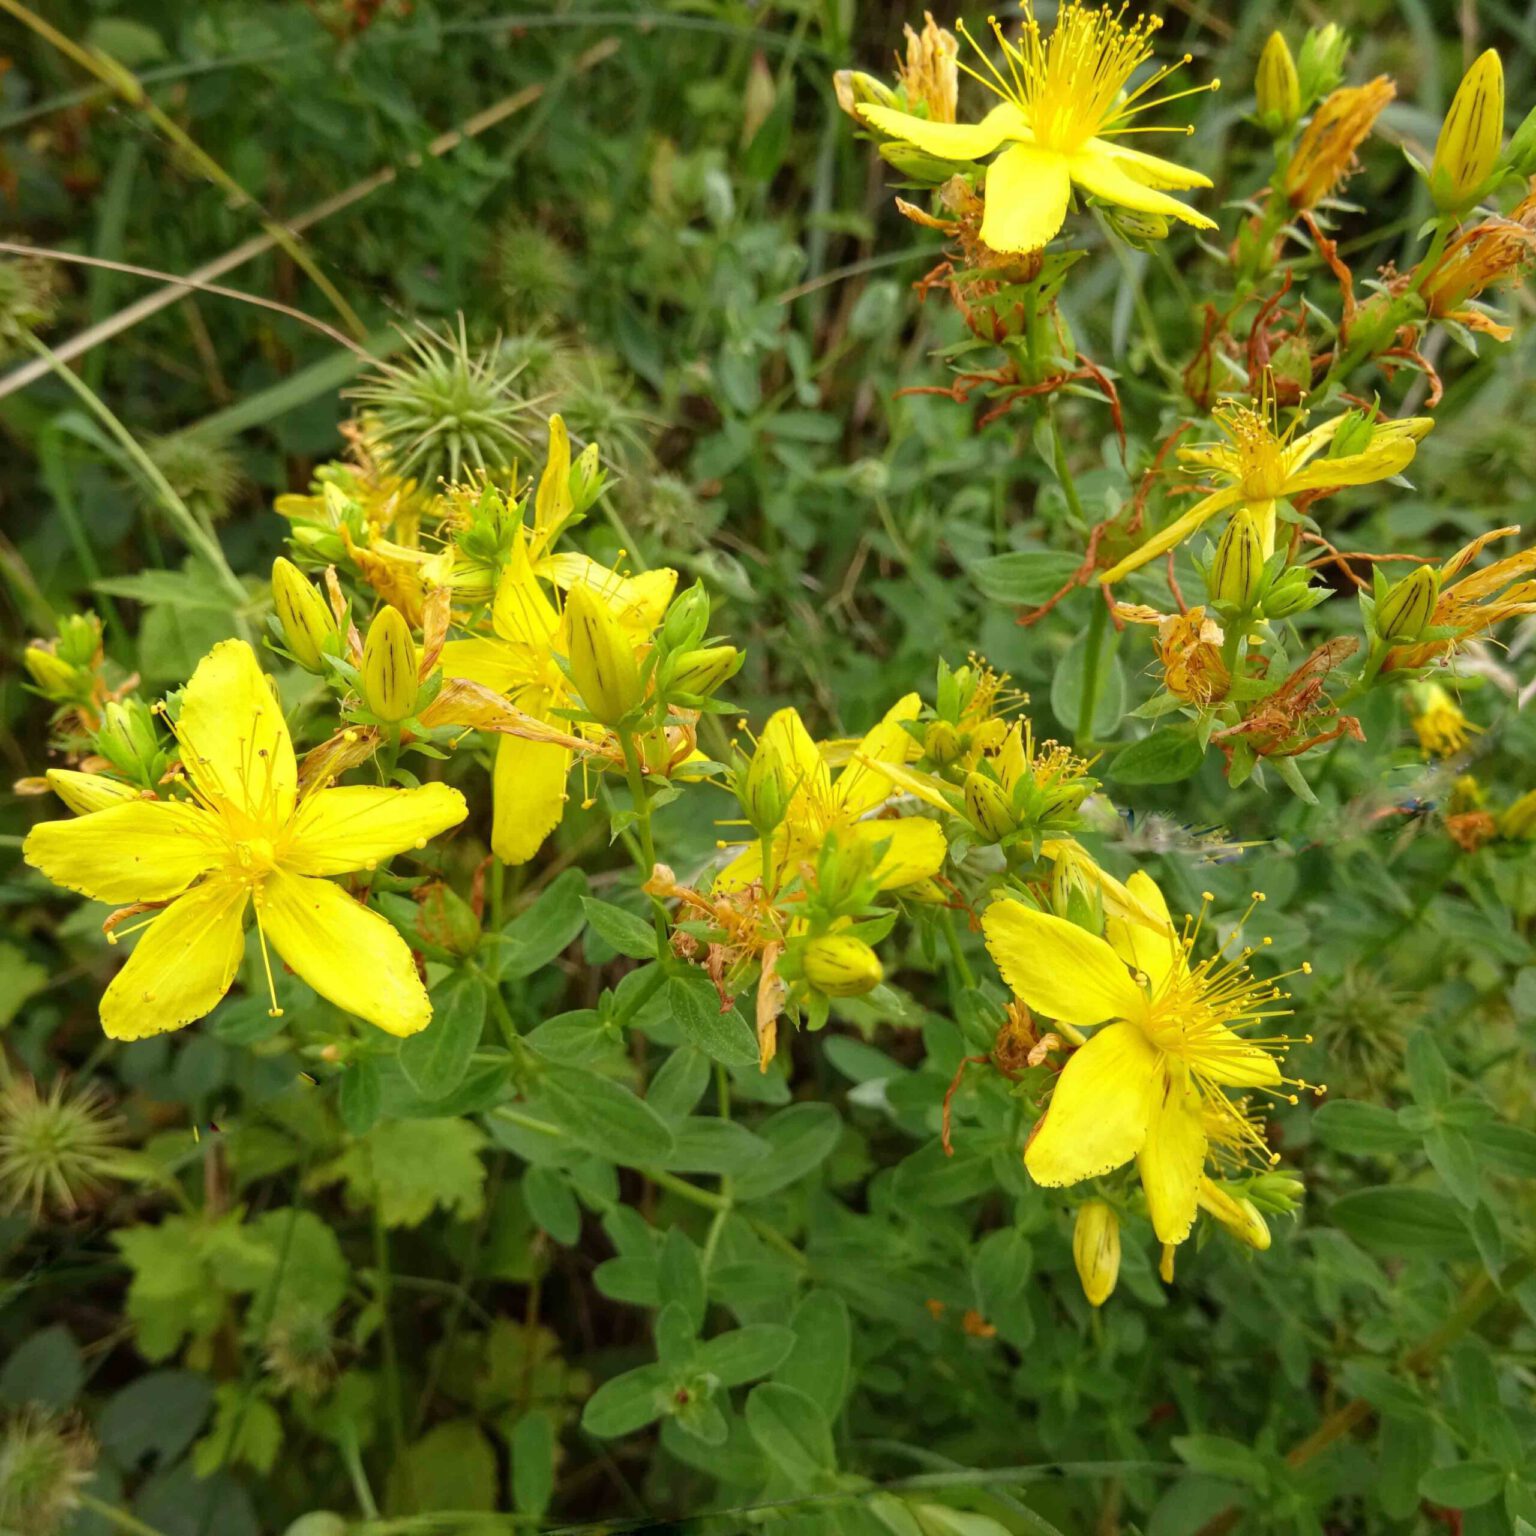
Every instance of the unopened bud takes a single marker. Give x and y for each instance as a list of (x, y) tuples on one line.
[(914, 163), (1277, 88), (1518, 821), (1278, 1193), (587, 478), (602, 659), (988, 806), (305, 616), (390, 683), (1353, 434), (1471, 136), (56, 679), (1096, 1250), (687, 619), (1238, 1214), (941, 743), (87, 792), (1293, 593), (1404, 613), (841, 965), (701, 672), (1320, 65), (1139, 229), (130, 741), (79, 640), (447, 920), (1237, 568), (1521, 153), (854, 89), (766, 789)]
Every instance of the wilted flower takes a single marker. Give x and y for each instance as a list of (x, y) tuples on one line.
[(1498, 251), (1325, 155), (1189, 646), (929, 76)]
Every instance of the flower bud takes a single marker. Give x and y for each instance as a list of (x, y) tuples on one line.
[(854, 89), (1238, 1214), (1237, 568), (1470, 137), (1096, 1250), (305, 616), (1278, 1193), (941, 743), (390, 683), (1291, 593), (988, 806), (1404, 613), (1517, 823), (1277, 88), (602, 659), (1320, 66), (766, 789), (79, 640), (1140, 230), (130, 741), (447, 920), (87, 792), (1352, 435), (587, 479), (56, 679), (914, 163), (1521, 153), (841, 966), (701, 672), (687, 620)]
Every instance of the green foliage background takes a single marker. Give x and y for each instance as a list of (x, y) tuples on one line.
[(698, 262)]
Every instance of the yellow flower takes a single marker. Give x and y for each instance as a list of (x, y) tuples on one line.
[(820, 806), (246, 837), (1262, 465), (1062, 104), (1326, 153), (518, 661), (1442, 729), (1148, 1080), (1471, 604), (1518, 821)]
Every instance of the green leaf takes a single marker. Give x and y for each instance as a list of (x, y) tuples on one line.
[(820, 1362), (246, 1428), (1164, 757), (358, 1098), (533, 938), (409, 1168), (626, 1403), (793, 1433), (1510, 1148), (680, 1276), (621, 931), (533, 1464), (158, 1415), (1348, 1125), (43, 1369), (452, 1466), (1404, 1221), (747, 1353), (703, 1144), (552, 1205), (1218, 1456), (436, 1059), (1069, 678), (602, 1116), (724, 1036), (1428, 1075), (800, 1138), (1466, 1485), (1455, 1159), (1024, 578)]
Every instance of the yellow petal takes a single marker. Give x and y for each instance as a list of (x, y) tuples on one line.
[(529, 789), (346, 952), (1057, 968), (1173, 1154), (637, 602), (1174, 534), (496, 664), (234, 740), (1154, 948), (861, 786), (84, 793), (338, 830), (786, 737), (949, 141), (1105, 177), (1151, 169), (181, 967), (914, 851), (521, 612), (1097, 1118), (1386, 456), (552, 504), (1027, 193), (141, 850)]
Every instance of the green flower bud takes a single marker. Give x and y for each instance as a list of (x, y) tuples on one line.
[(941, 742), (1470, 137), (130, 740), (1292, 593), (988, 807), (1518, 822), (587, 479), (306, 617), (1277, 88), (80, 639), (390, 683), (447, 920), (701, 672), (1096, 1248), (854, 89), (1353, 434), (56, 679), (914, 163), (1140, 230), (1320, 65), (687, 620), (1404, 613), (841, 966), (602, 659), (1521, 153), (1237, 568), (1277, 1193), (766, 789)]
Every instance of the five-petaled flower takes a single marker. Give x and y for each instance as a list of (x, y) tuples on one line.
[(1062, 106), (246, 837)]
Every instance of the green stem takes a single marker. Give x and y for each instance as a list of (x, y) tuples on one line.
[(118, 1518), (687, 1191), (394, 1407)]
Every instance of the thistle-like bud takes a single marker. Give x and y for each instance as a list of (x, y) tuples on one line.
[(1404, 613), (55, 678), (687, 619), (701, 672), (1237, 568), (602, 659), (1470, 137), (841, 966), (1096, 1250), (988, 806), (389, 679), (1277, 88), (1518, 822), (1320, 66), (45, 1461), (86, 792), (308, 624), (941, 742)]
